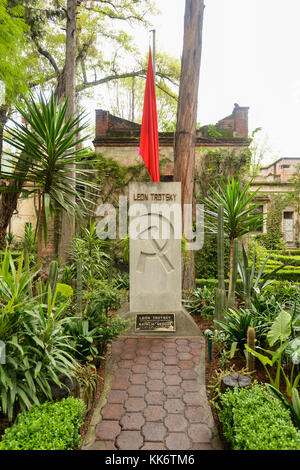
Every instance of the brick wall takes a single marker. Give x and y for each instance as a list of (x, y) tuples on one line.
[(237, 122)]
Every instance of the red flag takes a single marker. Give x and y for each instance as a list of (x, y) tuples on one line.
[(149, 132)]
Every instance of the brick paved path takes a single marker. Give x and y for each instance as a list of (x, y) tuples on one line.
[(155, 398)]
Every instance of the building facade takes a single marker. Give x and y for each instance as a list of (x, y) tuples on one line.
[(275, 180)]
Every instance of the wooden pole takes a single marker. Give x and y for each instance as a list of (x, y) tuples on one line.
[(185, 136)]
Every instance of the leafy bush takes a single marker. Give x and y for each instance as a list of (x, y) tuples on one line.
[(270, 242), (89, 249), (206, 258), (121, 281), (50, 426), (110, 329), (287, 275), (201, 301), (82, 339), (256, 419), (36, 349), (101, 297), (236, 323)]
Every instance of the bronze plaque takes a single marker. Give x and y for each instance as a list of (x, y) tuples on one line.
[(155, 322)]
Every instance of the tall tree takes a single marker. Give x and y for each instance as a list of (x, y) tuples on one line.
[(68, 220), (184, 148)]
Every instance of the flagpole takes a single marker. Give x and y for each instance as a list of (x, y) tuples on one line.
[(153, 31)]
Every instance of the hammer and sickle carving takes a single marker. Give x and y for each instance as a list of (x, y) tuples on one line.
[(157, 250)]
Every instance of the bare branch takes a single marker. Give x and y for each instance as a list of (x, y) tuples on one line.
[(139, 73), (86, 85), (47, 55)]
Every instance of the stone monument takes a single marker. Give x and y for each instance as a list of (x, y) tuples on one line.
[(155, 233)]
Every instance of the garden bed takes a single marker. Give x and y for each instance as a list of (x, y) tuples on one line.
[(238, 362)]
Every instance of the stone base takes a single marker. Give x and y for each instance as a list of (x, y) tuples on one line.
[(185, 325)]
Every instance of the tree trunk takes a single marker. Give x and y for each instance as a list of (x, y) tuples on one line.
[(68, 222), (45, 251), (8, 204), (3, 120), (184, 149)]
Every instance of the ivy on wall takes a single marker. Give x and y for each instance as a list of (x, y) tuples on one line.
[(217, 164), (273, 239), (214, 165)]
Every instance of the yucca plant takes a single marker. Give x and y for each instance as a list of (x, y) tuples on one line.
[(239, 216), (47, 147)]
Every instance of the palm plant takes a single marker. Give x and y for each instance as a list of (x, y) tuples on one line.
[(47, 145), (239, 216)]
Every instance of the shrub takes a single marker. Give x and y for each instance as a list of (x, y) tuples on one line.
[(287, 275), (255, 419), (201, 301), (211, 283), (100, 299), (36, 350), (121, 281), (236, 323), (206, 258), (50, 426)]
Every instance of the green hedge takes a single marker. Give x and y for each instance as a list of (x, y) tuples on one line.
[(286, 275), (255, 419), (50, 426), (210, 283), (295, 252)]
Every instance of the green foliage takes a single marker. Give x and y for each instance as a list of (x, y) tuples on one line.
[(296, 405), (101, 297), (236, 323), (217, 165), (36, 349), (114, 177), (15, 282), (87, 379), (64, 290), (12, 60), (279, 335), (82, 339), (47, 145), (50, 426), (238, 204), (286, 275), (29, 241), (212, 282), (220, 292), (252, 286), (201, 301), (256, 419), (239, 216), (273, 239), (121, 281), (206, 258), (89, 249)]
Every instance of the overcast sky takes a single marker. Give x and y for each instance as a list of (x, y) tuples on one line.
[(250, 56)]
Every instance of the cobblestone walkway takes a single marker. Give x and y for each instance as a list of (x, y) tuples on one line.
[(154, 398)]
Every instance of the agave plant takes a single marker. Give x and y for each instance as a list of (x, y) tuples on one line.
[(47, 146), (239, 216), (253, 286)]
